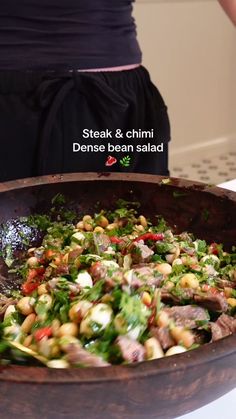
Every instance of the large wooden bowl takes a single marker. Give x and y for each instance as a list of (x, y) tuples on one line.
[(163, 388)]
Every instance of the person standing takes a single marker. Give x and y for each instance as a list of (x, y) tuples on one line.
[(68, 66)]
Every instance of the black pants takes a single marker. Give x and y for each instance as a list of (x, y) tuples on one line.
[(43, 117)]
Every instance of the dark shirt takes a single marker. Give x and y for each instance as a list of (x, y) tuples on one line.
[(68, 34)]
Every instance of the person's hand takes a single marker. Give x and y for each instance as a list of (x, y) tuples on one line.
[(229, 7)]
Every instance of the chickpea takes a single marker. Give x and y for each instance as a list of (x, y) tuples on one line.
[(177, 261), (32, 261), (112, 226), (231, 302), (182, 336), (187, 338), (98, 229), (87, 218), (25, 305), (79, 310), (57, 260), (56, 324), (80, 225), (189, 260), (68, 329), (175, 250), (139, 228), (153, 349), (169, 285), (28, 323), (175, 350), (54, 348), (174, 254), (146, 298), (143, 221), (120, 324), (88, 226), (102, 221), (28, 340), (163, 319), (164, 268), (189, 281), (170, 258), (44, 347), (42, 289), (228, 291), (67, 340)]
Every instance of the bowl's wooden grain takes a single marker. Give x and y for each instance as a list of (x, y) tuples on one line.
[(163, 388)]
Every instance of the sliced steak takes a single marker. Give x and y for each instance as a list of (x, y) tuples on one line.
[(144, 275), (187, 316), (167, 296), (98, 271), (76, 355), (111, 275), (213, 302), (223, 283), (141, 252), (224, 326), (131, 350), (62, 270), (163, 335), (73, 254), (102, 242)]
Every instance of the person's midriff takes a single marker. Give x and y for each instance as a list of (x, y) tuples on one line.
[(91, 35)]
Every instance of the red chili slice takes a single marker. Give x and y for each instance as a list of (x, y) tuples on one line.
[(149, 236)]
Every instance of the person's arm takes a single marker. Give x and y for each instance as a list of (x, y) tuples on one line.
[(229, 7)]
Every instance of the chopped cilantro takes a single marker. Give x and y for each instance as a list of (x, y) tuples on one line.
[(133, 310), (58, 199), (94, 293)]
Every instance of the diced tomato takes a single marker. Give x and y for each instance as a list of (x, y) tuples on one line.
[(43, 332), (50, 254), (35, 272), (33, 279), (29, 287), (72, 295), (116, 240), (214, 248)]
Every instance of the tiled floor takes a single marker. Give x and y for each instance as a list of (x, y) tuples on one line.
[(215, 170)]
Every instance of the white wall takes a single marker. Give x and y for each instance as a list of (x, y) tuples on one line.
[(189, 48)]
